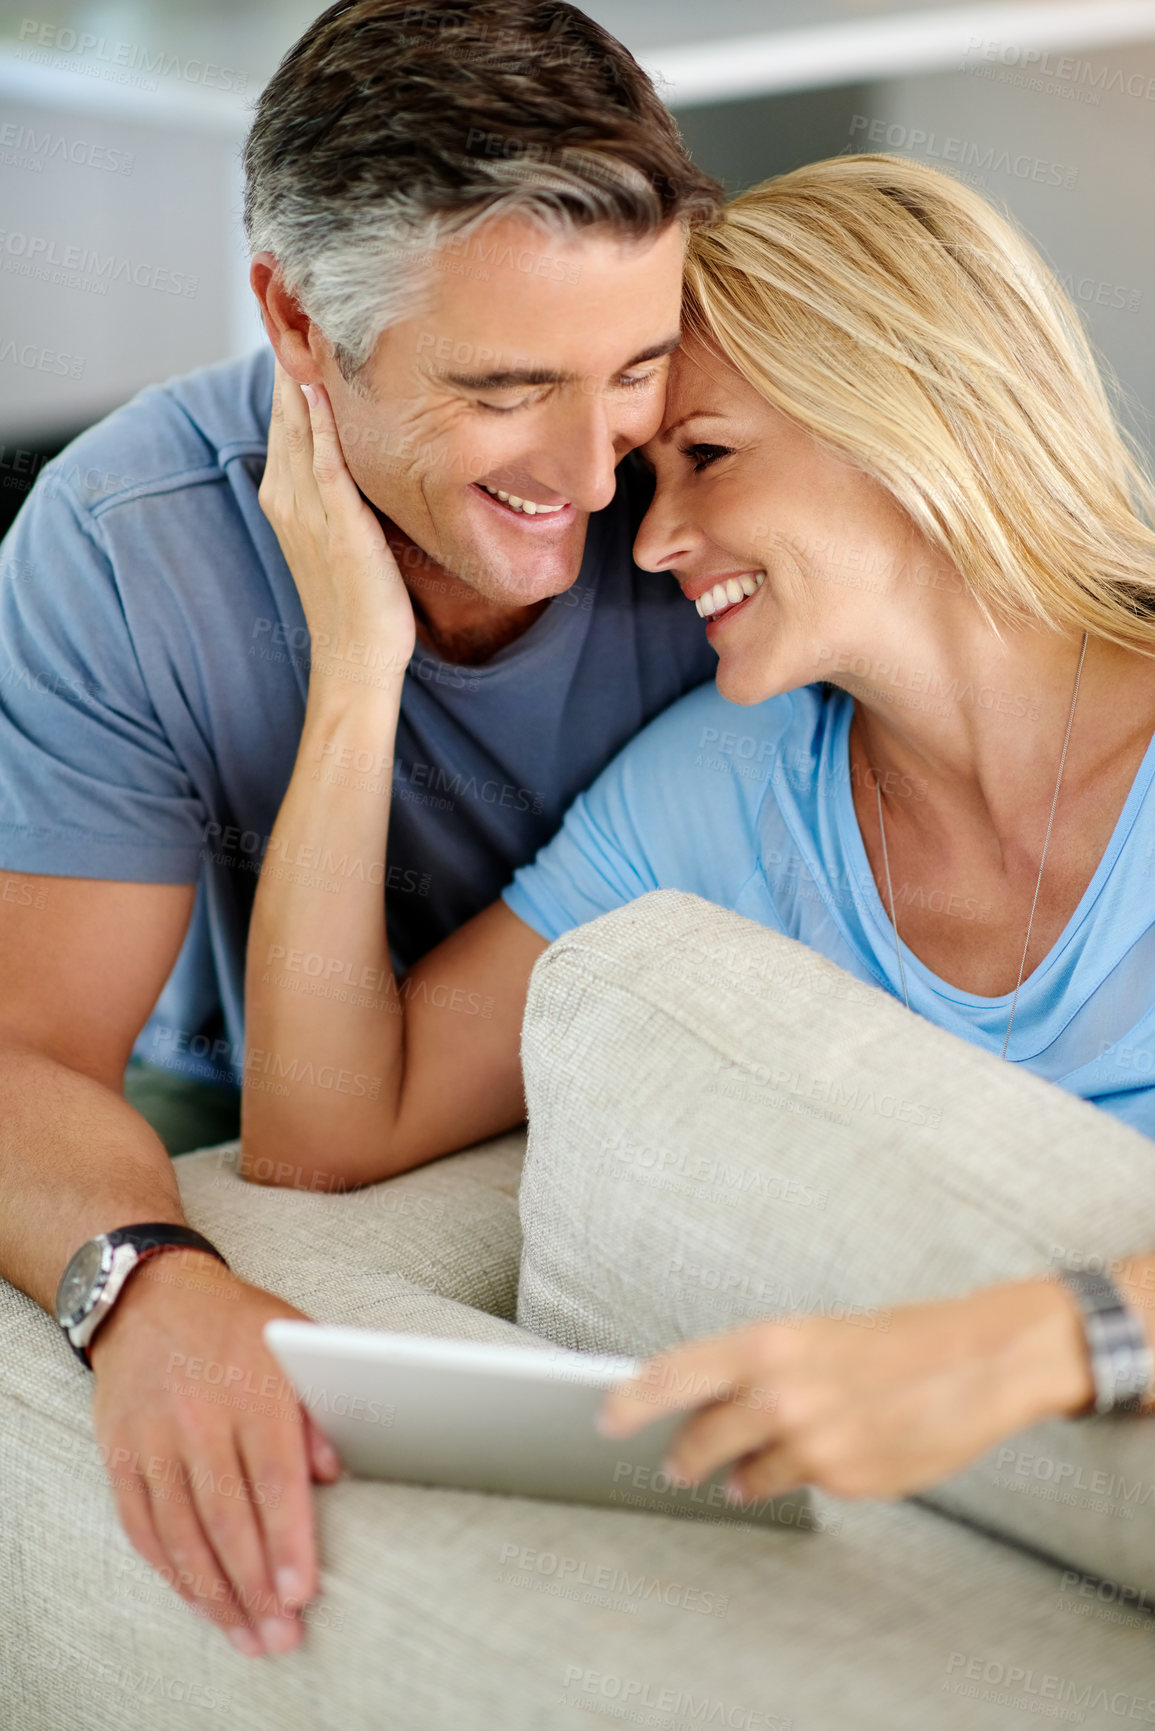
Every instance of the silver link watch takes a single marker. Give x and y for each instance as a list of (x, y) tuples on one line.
[(1122, 1363)]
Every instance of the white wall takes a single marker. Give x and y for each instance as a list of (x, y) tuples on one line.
[(168, 223), (1099, 232), (177, 211)]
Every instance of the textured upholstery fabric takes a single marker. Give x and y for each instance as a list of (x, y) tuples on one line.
[(450, 1227), (445, 1611), (725, 1126)]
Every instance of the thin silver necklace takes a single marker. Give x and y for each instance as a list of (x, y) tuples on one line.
[(1038, 880)]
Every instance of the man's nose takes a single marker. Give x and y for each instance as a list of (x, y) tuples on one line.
[(583, 456)]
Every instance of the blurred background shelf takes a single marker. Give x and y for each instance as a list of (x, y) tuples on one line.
[(121, 125)]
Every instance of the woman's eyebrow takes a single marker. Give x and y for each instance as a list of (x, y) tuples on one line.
[(667, 433), (509, 378)]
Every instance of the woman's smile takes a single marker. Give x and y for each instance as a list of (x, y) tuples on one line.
[(717, 597)]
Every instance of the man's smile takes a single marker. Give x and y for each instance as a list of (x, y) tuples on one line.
[(530, 512), (531, 507)]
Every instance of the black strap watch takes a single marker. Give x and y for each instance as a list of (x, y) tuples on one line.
[(98, 1273)]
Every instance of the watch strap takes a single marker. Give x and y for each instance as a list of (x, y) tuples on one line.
[(148, 1239), (1122, 1362)]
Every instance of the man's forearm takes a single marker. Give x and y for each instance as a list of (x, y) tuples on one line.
[(75, 1160)]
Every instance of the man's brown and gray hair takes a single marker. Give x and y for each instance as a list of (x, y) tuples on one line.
[(391, 127)]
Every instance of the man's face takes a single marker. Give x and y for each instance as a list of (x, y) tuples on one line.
[(537, 363)]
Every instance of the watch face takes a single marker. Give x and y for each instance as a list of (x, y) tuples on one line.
[(81, 1283)]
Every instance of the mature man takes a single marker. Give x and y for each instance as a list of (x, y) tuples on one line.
[(468, 223)]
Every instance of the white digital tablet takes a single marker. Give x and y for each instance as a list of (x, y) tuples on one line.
[(509, 1419)]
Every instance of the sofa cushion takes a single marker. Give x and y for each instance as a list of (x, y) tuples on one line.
[(724, 1125), (448, 1609), (450, 1227)]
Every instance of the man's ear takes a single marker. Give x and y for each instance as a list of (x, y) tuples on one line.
[(292, 333)]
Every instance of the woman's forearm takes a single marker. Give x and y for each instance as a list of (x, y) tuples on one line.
[(1058, 1354), (885, 1413), (348, 1080), (323, 1021)]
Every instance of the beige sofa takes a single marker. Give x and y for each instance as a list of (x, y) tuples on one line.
[(449, 1611)]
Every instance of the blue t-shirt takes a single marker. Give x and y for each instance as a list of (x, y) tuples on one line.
[(154, 665), (753, 808)]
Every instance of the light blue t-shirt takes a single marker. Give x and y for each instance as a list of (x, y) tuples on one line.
[(753, 808)]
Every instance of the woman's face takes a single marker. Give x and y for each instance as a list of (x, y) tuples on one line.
[(744, 493)]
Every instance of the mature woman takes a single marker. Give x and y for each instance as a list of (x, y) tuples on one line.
[(890, 480)]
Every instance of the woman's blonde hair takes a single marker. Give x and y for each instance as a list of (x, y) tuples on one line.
[(894, 314)]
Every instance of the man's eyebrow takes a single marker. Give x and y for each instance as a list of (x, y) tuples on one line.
[(512, 377)]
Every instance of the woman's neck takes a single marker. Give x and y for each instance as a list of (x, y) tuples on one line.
[(981, 753), (980, 720)]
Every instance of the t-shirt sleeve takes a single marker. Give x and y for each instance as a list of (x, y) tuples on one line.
[(655, 818), (588, 868), (90, 785)]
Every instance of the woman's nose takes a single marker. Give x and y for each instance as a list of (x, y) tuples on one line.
[(664, 539)]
